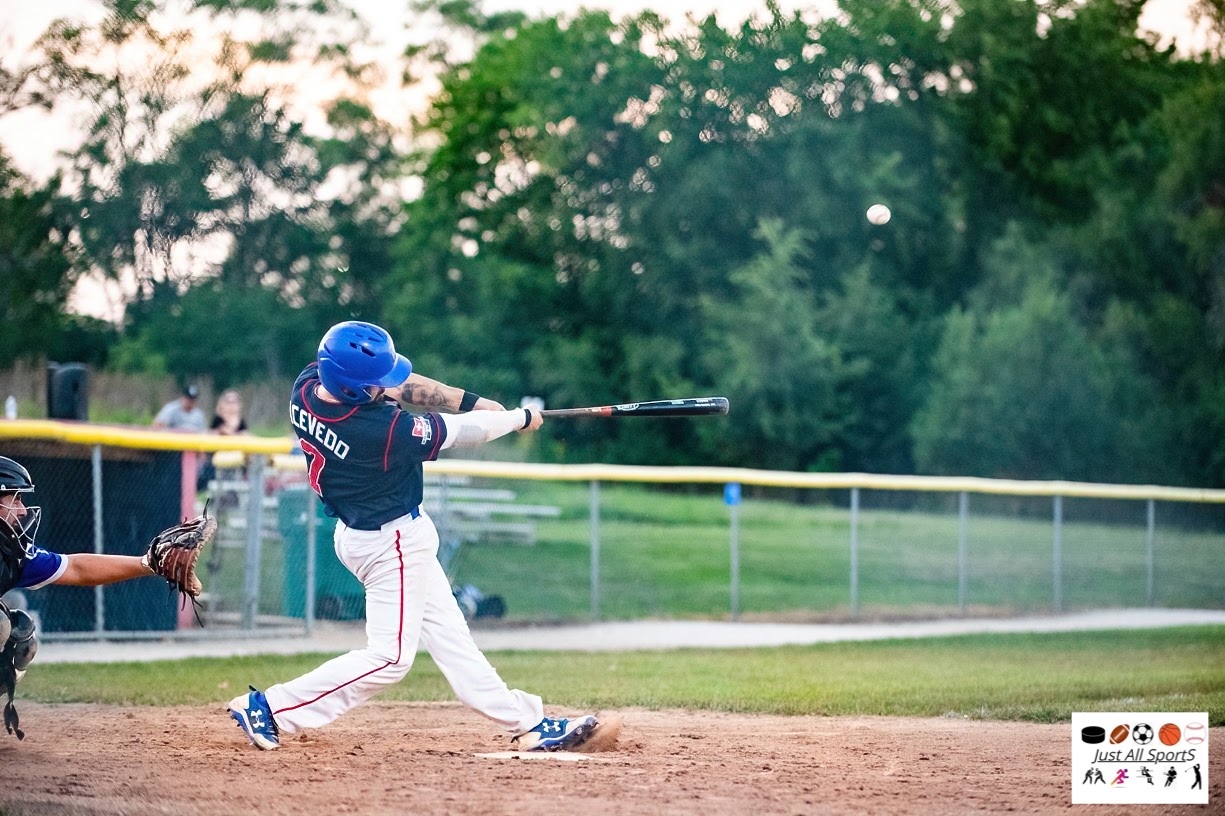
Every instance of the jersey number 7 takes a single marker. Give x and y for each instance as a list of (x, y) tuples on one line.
[(314, 465)]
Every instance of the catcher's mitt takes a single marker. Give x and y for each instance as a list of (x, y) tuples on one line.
[(173, 552)]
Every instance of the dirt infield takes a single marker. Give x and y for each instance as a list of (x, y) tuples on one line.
[(404, 758)]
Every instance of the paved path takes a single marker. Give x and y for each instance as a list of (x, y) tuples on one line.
[(622, 636)]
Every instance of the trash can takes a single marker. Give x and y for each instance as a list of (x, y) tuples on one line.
[(67, 391), (338, 593)]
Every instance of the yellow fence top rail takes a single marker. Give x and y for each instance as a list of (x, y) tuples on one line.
[(122, 436), (86, 434), (781, 478)]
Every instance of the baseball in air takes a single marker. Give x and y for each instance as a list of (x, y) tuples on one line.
[(879, 214)]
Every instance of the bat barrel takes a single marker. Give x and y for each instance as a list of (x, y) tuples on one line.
[(694, 406)]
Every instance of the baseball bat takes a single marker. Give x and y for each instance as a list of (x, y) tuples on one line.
[(693, 406)]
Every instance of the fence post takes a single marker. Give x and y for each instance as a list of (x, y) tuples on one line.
[(311, 524), (255, 521), (595, 550), (731, 497), (1057, 555), (99, 597), (963, 511), (1152, 529), (855, 551)]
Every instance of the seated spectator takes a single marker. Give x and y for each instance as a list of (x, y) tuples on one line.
[(227, 416), (227, 421), (182, 414)]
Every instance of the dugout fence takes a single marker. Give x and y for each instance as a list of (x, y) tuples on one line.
[(535, 542)]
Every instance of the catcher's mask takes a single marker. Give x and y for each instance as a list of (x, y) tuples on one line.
[(15, 479), (22, 533)]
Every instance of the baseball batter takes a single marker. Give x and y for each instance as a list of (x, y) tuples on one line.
[(364, 457)]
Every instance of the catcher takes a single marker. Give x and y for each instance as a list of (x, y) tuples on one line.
[(23, 564)]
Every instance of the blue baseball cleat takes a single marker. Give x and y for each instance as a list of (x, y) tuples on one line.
[(556, 735), (254, 717)]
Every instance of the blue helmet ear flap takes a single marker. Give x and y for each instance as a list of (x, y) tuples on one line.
[(355, 356)]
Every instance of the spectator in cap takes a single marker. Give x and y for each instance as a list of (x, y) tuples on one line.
[(182, 414)]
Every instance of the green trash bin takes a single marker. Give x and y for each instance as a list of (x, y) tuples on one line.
[(338, 593)]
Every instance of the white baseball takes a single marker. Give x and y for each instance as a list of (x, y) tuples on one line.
[(879, 214)]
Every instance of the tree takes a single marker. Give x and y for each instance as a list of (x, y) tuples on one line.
[(1188, 325), (36, 271), (584, 198), (885, 345), (511, 260), (612, 211), (243, 334), (191, 173), (766, 348), (1021, 389)]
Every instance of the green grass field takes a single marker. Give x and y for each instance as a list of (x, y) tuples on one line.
[(1040, 678)]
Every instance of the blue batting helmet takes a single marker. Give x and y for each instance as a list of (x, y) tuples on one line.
[(354, 356)]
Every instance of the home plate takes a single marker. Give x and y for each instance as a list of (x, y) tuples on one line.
[(561, 756)]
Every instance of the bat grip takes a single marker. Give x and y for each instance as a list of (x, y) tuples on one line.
[(577, 412)]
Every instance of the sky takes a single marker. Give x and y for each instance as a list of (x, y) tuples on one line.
[(35, 139)]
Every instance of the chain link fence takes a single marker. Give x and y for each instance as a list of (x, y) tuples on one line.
[(535, 543)]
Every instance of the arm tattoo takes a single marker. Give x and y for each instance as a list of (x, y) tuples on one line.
[(427, 396)]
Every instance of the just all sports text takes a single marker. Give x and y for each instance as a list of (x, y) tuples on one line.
[(1138, 755)]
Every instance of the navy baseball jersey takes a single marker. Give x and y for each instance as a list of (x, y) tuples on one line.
[(364, 461)]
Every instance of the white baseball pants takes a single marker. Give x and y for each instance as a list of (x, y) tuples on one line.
[(408, 601)]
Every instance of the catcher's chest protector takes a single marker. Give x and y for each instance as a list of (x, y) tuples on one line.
[(12, 560)]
